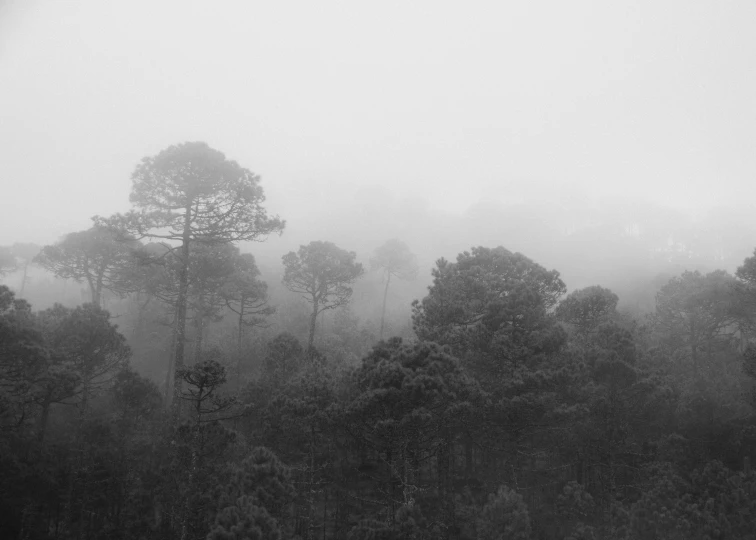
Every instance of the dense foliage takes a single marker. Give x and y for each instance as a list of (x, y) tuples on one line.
[(512, 410)]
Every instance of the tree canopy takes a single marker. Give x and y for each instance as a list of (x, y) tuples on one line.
[(322, 273), (587, 308), (189, 194), (93, 256), (509, 409)]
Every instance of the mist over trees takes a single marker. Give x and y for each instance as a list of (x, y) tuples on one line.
[(322, 273), (393, 259), (93, 256), (165, 374), (193, 195)]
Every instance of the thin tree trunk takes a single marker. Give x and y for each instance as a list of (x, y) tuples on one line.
[(139, 326), (93, 290), (383, 311), (77, 467), (73, 468), (325, 511), (311, 489), (444, 484), (198, 327), (170, 373), (97, 292), (23, 280), (181, 312), (194, 466), (313, 320), (239, 347)]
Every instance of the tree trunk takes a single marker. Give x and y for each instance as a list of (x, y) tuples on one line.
[(138, 330), (85, 487), (198, 328), (383, 311), (195, 464), (239, 346), (311, 489), (313, 320), (445, 490), (170, 375), (93, 290), (181, 313), (193, 468), (23, 280), (97, 293), (325, 512)]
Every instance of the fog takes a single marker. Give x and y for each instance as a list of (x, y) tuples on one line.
[(594, 377), (566, 131)]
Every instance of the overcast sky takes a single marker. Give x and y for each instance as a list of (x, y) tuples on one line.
[(453, 102)]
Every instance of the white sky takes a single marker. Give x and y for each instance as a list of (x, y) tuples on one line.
[(455, 102)]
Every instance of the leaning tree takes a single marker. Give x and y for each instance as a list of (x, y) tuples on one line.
[(189, 194), (322, 273)]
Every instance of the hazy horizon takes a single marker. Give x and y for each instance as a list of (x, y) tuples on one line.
[(609, 142), (446, 106)]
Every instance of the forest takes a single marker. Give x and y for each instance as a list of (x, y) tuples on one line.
[(172, 385)]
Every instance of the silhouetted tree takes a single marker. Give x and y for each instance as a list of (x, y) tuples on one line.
[(696, 312), (134, 397), (322, 273), (413, 402), (211, 268), (86, 352), (587, 308), (492, 307), (23, 360), (283, 360), (464, 293), (247, 296), (188, 194), (203, 435), (93, 256)]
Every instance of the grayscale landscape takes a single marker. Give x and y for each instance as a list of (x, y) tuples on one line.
[(377, 271)]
